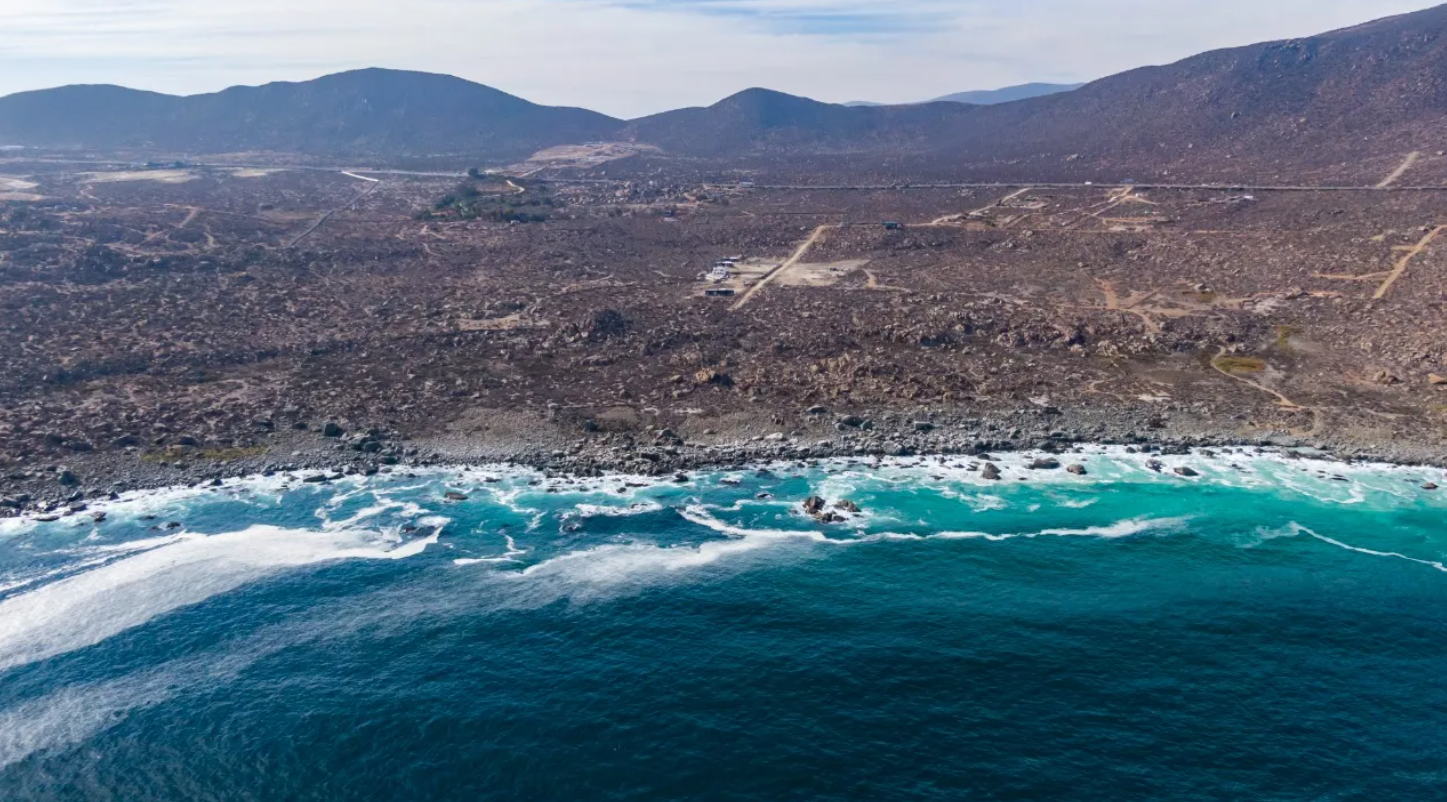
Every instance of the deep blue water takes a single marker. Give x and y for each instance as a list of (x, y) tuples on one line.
[(1265, 631)]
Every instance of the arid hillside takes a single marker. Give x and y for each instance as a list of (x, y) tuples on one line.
[(1332, 108)]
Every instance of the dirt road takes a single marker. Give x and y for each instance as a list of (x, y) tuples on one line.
[(1408, 255), (790, 262), (1400, 171)]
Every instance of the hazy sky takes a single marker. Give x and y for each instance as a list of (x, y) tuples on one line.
[(634, 57)]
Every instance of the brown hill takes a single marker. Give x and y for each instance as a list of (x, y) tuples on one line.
[(1320, 105), (1357, 93), (1338, 106), (764, 120), (386, 112)]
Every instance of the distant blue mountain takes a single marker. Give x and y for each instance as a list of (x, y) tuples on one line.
[(991, 97)]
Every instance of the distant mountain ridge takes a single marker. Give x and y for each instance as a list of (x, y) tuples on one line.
[(1009, 94), (765, 120), (363, 111), (1377, 90), (990, 97)]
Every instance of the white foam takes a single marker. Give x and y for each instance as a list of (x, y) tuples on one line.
[(1323, 538), (699, 514), (609, 570), (1127, 528), (509, 556), (87, 608), (603, 511), (605, 571), (73, 714)]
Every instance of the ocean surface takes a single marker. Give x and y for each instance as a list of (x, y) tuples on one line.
[(1273, 629)]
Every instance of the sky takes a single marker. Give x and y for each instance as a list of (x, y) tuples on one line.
[(629, 58)]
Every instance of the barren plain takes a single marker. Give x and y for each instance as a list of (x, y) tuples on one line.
[(160, 325)]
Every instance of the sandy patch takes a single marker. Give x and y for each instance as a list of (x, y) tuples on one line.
[(818, 274), (255, 172), (589, 155), (11, 184), (514, 321), (163, 176)]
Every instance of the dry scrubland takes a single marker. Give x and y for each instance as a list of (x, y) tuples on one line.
[(191, 315)]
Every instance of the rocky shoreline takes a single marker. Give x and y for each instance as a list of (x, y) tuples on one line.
[(329, 451)]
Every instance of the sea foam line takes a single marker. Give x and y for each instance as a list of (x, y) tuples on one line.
[(1323, 538), (87, 608)]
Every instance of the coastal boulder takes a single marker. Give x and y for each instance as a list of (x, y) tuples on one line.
[(991, 471), (1045, 464), (814, 505), (1078, 470), (1187, 472)]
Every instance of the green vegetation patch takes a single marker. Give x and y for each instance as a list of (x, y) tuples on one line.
[(1239, 364), (235, 454), (481, 198)]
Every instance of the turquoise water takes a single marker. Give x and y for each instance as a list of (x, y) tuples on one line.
[(1272, 629)]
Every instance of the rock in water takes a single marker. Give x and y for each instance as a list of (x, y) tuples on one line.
[(991, 471), (847, 506), (1045, 464), (1078, 470), (814, 505), (1186, 472)]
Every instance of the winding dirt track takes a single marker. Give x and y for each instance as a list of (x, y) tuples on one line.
[(1407, 256)]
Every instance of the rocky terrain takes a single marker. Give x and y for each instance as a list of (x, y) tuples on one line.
[(766, 278), (177, 324)]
